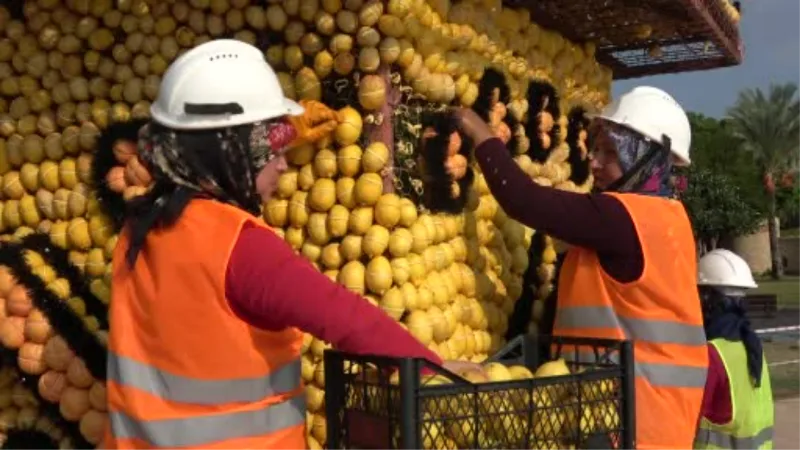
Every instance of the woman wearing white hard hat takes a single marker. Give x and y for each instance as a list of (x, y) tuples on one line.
[(631, 270), (738, 411), (208, 304)]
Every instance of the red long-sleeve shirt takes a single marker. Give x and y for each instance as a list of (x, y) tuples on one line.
[(270, 287)]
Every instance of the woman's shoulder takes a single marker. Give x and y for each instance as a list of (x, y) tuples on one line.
[(652, 206)]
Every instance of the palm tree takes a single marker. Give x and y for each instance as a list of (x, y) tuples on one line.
[(768, 126)]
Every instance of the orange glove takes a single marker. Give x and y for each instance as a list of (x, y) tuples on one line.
[(315, 123)]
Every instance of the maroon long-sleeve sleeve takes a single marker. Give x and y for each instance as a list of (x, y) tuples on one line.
[(717, 406), (271, 288), (594, 221)]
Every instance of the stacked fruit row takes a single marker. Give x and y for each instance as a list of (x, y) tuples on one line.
[(70, 68), (452, 280), (33, 289)]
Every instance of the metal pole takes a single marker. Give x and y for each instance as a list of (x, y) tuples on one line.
[(628, 401)]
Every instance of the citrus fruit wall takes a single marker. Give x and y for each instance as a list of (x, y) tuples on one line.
[(70, 68)]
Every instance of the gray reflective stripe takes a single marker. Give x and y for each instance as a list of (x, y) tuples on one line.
[(671, 374), (181, 389), (656, 331), (586, 317), (719, 439), (656, 374), (641, 330), (202, 430)]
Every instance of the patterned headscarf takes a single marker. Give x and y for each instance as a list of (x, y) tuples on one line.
[(646, 165), (168, 159), (222, 164)]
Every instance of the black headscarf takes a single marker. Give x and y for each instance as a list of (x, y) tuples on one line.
[(221, 164), (724, 317)]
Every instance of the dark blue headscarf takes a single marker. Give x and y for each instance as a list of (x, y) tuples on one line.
[(724, 317)]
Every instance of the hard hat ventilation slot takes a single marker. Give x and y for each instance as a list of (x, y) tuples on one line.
[(223, 56), (212, 109)]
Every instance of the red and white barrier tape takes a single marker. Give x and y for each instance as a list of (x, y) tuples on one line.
[(784, 363), (778, 329)]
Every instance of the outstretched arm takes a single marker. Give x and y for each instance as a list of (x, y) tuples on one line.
[(271, 288), (595, 221)]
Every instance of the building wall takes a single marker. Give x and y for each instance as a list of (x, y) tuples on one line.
[(790, 250), (754, 248)]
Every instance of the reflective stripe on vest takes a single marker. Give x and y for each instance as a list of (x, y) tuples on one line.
[(723, 440), (654, 331), (180, 389), (656, 374), (201, 430)]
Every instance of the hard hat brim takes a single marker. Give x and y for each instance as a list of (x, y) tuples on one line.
[(294, 108), (287, 108)]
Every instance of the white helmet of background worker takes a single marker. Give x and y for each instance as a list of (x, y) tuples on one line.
[(653, 113), (724, 270), (191, 96)]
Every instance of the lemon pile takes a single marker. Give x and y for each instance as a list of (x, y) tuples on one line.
[(546, 271), (440, 51), (730, 11), (71, 67), (451, 280), (559, 415)]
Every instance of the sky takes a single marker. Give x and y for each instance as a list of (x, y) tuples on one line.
[(771, 33)]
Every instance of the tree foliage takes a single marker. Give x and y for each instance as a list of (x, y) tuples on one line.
[(737, 160), (724, 194), (716, 149), (716, 207), (767, 128)]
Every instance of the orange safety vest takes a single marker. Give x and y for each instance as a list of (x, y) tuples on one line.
[(183, 369), (660, 312)]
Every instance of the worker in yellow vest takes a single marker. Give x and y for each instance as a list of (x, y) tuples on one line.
[(737, 405)]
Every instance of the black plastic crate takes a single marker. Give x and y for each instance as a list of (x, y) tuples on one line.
[(375, 402)]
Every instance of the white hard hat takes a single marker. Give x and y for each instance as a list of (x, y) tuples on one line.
[(723, 268), (220, 84), (653, 113)]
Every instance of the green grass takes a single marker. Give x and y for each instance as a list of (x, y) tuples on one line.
[(785, 378), (787, 289), (790, 232)]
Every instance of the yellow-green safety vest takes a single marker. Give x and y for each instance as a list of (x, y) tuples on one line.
[(753, 412)]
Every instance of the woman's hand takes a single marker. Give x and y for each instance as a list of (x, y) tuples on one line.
[(461, 367), (473, 126)]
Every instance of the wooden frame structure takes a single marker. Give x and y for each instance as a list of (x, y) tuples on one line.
[(638, 38)]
